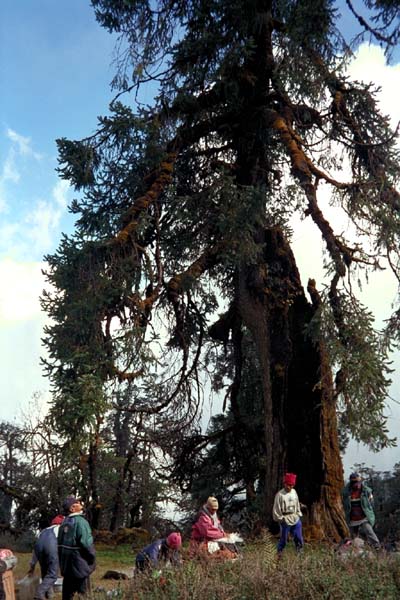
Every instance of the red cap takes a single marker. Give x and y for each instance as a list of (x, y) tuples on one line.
[(57, 520), (289, 479), (174, 540)]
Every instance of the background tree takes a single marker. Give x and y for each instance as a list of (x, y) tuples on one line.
[(12, 445), (182, 241)]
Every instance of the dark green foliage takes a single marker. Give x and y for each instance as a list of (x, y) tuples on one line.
[(180, 275)]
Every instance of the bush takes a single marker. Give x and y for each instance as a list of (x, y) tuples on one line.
[(22, 543)]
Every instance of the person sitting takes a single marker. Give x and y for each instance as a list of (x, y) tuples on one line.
[(208, 538), (165, 550)]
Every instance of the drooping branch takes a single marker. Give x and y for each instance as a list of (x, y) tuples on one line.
[(365, 151), (304, 170), (179, 284), (189, 449), (16, 493), (374, 31), (182, 281), (162, 180)]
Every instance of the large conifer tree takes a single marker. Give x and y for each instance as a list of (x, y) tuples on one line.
[(181, 267)]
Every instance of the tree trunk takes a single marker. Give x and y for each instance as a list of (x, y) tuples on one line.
[(253, 309), (299, 408), (95, 506), (121, 422)]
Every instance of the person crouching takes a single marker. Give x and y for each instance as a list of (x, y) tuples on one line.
[(165, 550)]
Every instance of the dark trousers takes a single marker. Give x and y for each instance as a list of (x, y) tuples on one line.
[(141, 564), (72, 586)]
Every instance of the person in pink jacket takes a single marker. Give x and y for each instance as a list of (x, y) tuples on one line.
[(208, 529)]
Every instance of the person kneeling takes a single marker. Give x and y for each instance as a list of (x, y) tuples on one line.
[(165, 550)]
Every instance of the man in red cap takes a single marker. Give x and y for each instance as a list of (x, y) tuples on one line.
[(45, 553), (286, 511)]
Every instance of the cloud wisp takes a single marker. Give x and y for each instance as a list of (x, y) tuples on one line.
[(22, 144), (31, 218)]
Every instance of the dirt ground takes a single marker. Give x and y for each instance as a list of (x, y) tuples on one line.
[(104, 564)]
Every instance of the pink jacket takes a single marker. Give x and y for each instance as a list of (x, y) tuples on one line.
[(205, 529)]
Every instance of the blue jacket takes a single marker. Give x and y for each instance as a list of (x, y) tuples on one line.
[(157, 551), (45, 551)]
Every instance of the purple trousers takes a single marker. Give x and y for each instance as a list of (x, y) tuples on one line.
[(295, 531)]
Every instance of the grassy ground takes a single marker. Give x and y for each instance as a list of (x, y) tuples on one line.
[(317, 574)]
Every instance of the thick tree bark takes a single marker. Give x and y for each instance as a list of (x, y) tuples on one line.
[(299, 408), (253, 309)]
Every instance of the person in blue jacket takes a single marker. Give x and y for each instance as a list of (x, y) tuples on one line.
[(45, 553), (165, 549)]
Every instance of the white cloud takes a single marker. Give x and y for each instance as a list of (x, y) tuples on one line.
[(38, 229), (44, 219), (9, 170), (60, 193), (9, 173), (10, 237), (23, 144), (369, 65), (22, 284), (21, 330), (22, 374), (19, 151)]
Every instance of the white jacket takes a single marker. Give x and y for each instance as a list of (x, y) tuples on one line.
[(286, 507)]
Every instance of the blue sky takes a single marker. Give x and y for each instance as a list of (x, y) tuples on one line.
[(55, 71), (54, 74)]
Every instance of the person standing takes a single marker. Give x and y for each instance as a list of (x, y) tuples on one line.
[(286, 511), (45, 553), (358, 507), (76, 551)]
